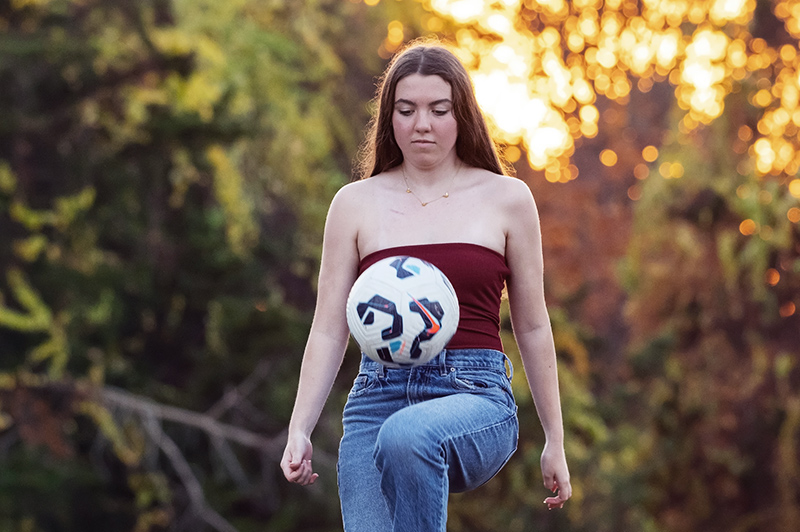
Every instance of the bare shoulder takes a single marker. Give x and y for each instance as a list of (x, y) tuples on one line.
[(509, 193), (513, 209), (353, 191), (360, 192), (351, 198)]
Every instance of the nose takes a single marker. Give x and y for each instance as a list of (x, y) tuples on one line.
[(423, 122)]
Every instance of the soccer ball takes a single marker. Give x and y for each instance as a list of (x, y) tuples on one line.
[(402, 311)]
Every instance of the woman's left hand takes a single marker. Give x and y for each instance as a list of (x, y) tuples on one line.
[(556, 476)]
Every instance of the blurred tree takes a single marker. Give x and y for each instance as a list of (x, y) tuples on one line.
[(165, 169), (714, 335), (690, 109)]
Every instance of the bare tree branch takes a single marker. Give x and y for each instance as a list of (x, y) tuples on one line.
[(230, 462), (184, 471), (245, 388), (215, 429), (221, 435), (152, 414)]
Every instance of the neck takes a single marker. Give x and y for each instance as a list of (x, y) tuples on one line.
[(438, 182), (424, 178)]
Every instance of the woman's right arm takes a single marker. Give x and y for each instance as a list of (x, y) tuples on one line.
[(328, 337)]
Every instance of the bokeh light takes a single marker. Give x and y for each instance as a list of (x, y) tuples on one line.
[(650, 153), (608, 157), (539, 67), (748, 227)]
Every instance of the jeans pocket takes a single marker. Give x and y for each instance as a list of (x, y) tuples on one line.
[(493, 384), (362, 383), (469, 380)]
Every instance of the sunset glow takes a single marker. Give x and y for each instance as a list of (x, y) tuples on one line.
[(546, 61)]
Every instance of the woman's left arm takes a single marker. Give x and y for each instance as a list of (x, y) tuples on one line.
[(534, 335)]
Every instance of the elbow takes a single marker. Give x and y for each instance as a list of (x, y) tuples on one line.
[(530, 322)]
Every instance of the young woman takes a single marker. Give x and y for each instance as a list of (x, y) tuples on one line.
[(432, 187)]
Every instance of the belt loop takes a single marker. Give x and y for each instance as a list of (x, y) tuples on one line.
[(367, 362), (509, 367), (443, 363)]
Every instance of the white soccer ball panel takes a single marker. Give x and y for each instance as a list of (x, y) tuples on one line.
[(402, 311)]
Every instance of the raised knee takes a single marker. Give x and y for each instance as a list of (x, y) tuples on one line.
[(403, 442)]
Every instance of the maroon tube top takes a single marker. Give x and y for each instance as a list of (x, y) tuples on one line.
[(478, 275)]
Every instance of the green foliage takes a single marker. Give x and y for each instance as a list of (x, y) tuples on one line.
[(165, 169), (31, 476), (707, 301)]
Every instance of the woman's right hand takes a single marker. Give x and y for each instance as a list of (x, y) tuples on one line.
[(328, 337), (296, 461)]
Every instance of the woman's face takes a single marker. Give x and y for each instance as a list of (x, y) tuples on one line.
[(424, 125)]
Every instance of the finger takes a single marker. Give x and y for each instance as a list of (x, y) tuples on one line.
[(290, 468), (294, 475), (294, 471), (287, 469), (308, 472), (307, 475), (565, 489), (566, 492), (298, 472), (553, 502)]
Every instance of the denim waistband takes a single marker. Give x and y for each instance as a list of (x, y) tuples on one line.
[(489, 359)]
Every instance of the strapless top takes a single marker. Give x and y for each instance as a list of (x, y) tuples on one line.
[(478, 275)]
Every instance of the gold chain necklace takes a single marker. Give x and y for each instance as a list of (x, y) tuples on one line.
[(424, 203)]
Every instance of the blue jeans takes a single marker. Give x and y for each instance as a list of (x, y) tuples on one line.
[(413, 435)]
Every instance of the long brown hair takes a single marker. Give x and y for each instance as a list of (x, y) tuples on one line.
[(474, 145)]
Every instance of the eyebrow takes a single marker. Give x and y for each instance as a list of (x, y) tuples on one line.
[(437, 102)]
